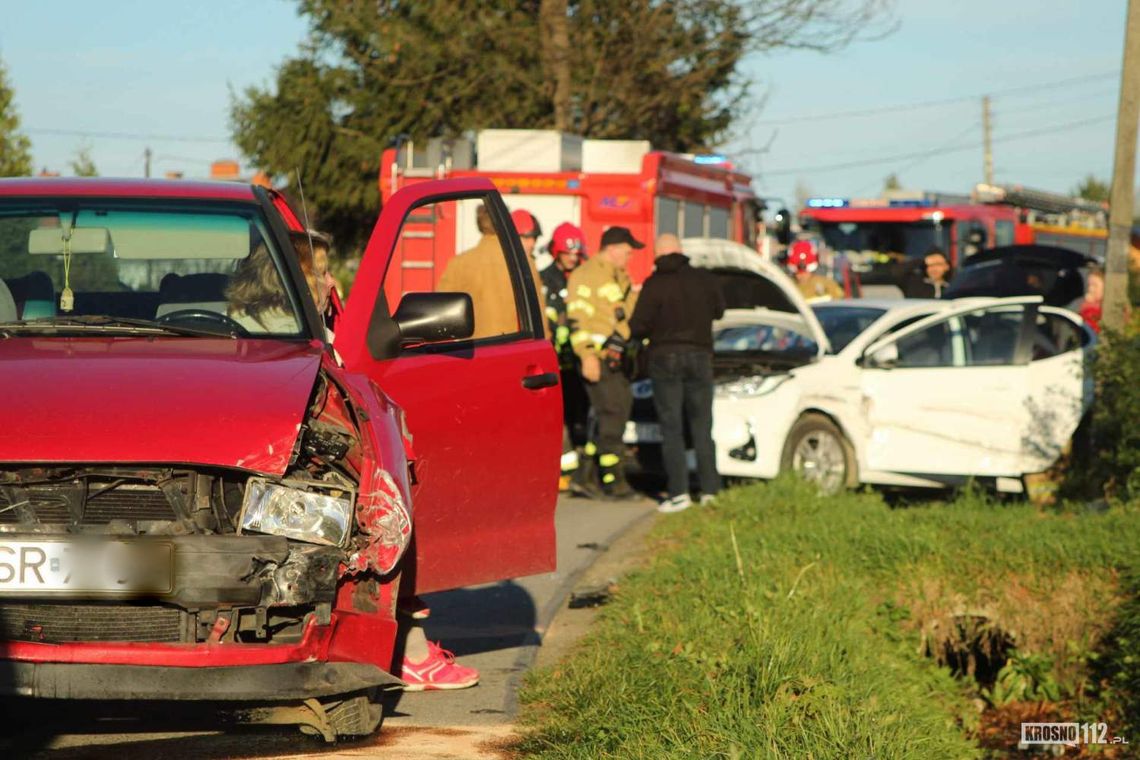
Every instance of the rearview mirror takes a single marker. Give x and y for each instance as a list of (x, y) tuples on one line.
[(435, 317), (49, 240), (884, 358)]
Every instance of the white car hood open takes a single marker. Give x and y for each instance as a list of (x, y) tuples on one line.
[(790, 309)]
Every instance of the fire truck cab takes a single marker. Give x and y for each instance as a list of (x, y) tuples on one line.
[(558, 177)]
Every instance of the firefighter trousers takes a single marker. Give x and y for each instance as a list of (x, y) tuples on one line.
[(612, 401)]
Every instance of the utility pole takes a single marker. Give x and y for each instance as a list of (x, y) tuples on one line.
[(1123, 176), (146, 163), (987, 142)]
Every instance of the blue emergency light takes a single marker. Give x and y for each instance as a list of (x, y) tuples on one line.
[(710, 158), (826, 202)]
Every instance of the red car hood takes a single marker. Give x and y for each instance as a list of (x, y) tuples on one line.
[(231, 403)]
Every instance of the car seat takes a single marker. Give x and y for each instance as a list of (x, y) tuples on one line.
[(995, 343), (205, 291), (34, 295), (7, 304)]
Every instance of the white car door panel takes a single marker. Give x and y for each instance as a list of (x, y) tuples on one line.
[(955, 403)]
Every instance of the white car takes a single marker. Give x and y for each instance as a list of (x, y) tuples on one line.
[(900, 392)]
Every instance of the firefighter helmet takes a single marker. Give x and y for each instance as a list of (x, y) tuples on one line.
[(802, 257)]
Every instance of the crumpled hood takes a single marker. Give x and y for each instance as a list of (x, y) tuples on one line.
[(230, 403)]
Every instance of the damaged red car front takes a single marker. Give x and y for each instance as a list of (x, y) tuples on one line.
[(200, 499)]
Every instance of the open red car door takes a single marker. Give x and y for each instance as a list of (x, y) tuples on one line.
[(484, 413)]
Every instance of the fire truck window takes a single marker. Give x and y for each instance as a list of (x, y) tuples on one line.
[(694, 224), (455, 246), (668, 213), (718, 222), (1003, 233)]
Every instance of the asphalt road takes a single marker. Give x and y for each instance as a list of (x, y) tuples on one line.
[(498, 628)]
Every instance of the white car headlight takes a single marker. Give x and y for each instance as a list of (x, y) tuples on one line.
[(756, 385), (298, 513)]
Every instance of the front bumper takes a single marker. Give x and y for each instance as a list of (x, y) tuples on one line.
[(284, 681)]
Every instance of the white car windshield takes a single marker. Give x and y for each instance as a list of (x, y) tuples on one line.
[(205, 268), (842, 324)]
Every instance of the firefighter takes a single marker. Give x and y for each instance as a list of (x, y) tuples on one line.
[(566, 248), (803, 261), (601, 303)]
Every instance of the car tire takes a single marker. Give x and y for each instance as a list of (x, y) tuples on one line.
[(356, 715), (819, 452)]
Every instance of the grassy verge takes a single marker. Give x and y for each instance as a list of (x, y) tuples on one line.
[(784, 624)]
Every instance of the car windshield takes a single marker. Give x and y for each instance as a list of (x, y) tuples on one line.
[(842, 324), (763, 338), (99, 262)]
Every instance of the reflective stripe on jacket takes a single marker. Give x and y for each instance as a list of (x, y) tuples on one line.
[(600, 303)]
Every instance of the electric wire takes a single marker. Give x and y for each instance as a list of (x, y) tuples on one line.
[(1009, 92), (931, 153)]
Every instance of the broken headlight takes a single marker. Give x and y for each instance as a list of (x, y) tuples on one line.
[(301, 513), (746, 387)]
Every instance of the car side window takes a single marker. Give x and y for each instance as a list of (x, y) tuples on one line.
[(477, 264), (992, 336), (932, 347), (1054, 335)]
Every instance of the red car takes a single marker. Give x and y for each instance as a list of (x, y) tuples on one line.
[(204, 495)]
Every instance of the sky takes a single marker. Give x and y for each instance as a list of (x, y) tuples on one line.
[(119, 76)]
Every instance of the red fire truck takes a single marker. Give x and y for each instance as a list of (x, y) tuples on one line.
[(564, 178), (877, 238)]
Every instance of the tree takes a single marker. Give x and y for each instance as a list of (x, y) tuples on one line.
[(15, 148), (1092, 189), (83, 165), (642, 69), (891, 183)]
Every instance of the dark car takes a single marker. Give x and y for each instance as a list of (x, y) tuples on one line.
[(1055, 274)]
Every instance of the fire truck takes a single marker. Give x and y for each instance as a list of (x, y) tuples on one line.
[(558, 177), (877, 239)]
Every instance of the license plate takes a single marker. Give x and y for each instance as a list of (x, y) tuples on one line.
[(90, 567), (642, 432)]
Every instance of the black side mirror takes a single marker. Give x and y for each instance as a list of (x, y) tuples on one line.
[(783, 226), (435, 317)]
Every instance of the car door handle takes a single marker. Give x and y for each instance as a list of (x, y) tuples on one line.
[(544, 380)]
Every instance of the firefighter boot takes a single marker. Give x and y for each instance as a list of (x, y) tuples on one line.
[(584, 481), (613, 477)]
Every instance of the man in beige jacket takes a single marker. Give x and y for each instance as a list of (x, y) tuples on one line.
[(481, 271)]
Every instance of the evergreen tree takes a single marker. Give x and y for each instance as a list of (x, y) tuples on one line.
[(15, 148), (636, 69)]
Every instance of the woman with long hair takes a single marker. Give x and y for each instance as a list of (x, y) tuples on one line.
[(257, 296)]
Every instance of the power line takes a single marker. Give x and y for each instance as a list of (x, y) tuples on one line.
[(930, 103), (124, 135), (930, 153), (922, 159)]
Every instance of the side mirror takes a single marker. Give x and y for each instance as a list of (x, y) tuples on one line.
[(783, 225), (435, 317), (885, 358)]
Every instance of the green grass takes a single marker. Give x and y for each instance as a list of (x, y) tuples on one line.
[(780, 623)]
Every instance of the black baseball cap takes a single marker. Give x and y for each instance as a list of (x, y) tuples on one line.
[(616, 235)]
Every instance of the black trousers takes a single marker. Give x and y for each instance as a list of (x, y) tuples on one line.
[(611, 400), (683, 390)]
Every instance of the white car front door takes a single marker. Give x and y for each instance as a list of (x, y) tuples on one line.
[(947, 396)]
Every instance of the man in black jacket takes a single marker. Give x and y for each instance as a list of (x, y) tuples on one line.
[(675, 312)]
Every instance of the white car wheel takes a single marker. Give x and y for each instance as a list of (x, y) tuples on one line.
[(817, 450)]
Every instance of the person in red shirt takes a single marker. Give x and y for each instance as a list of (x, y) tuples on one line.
[(1091, 309)]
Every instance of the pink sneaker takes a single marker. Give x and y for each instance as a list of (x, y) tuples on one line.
[(439, 670)]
